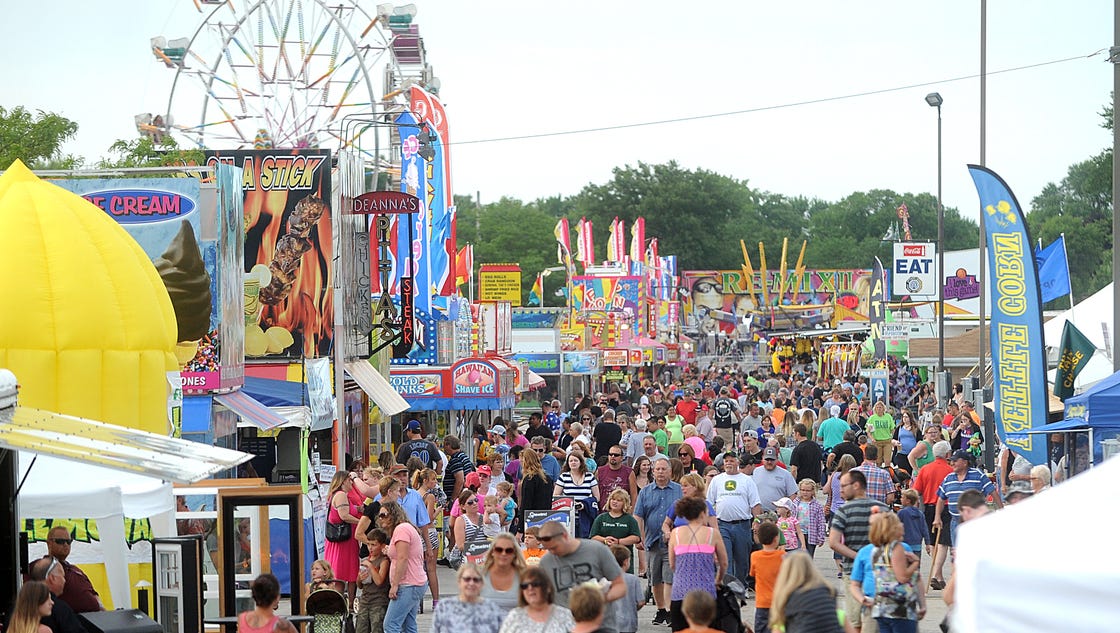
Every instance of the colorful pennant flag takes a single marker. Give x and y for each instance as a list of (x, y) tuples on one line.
[(616, 244), (1053, 269), (536, 293), (1075, 353), (563, 242), (585, 243), (464, 265)]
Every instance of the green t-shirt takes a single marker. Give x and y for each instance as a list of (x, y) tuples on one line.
[(623, 526), (662, 439), (880, 427)]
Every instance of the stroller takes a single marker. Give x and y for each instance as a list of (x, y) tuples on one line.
[(731, 594), (330, 611)]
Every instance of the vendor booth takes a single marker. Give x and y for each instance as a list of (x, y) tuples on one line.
[(1092, 420), (477, 388)]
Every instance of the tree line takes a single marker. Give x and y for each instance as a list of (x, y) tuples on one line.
[(698, 215)]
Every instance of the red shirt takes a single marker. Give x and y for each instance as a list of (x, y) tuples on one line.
[(929, 479), (687, 410)]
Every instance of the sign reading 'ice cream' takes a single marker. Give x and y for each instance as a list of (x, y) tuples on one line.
[(141, 205)]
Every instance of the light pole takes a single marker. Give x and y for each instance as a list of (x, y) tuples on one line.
[(934, 100)]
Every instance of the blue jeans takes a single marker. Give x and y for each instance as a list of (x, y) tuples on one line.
[(895, 625), (953, 525), (737, 541), (400, 617)]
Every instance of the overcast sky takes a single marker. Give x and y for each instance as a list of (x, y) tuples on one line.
[(515, 68)]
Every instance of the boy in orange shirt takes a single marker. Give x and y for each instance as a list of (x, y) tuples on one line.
[(765, 564)]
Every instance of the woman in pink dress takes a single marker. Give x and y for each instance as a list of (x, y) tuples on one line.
[(343, 556)]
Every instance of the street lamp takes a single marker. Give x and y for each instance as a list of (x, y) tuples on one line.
[(934, 100)]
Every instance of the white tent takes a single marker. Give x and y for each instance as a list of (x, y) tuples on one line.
[(1041, 565), (63, 488), (1093, 317)]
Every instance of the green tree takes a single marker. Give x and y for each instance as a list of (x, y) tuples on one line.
[(1081, 208), (144, 152), (34, 138), (696, 215), (509, 231), (852, 232)]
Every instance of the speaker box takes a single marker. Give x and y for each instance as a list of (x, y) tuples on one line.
[(119, 621)]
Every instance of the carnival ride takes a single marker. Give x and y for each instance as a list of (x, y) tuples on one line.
[(258, 74)]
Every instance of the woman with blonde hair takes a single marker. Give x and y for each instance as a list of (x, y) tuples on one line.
[(501, 572), (343, 554), (33, 603), (534, 489), (426, 482), (803, 601), (468, 612), (888, 568), (615, 525), (692, 485)]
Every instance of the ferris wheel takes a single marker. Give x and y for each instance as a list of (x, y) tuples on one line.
[(285, 73)]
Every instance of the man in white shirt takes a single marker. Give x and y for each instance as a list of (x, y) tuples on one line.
[(735, 498)]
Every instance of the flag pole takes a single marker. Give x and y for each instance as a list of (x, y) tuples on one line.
[(1065, 253)]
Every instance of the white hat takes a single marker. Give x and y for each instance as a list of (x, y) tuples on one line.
[(498, 429)]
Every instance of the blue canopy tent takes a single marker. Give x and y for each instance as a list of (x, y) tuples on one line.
[(1093, 417)]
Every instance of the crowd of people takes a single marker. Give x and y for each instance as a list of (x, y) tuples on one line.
[(684, 491), (721, 478)]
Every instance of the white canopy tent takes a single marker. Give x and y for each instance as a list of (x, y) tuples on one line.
[(1011, 578), (63, 488)]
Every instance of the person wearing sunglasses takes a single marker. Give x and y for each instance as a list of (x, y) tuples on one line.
[(501, 572), (537, 611), (468, 612), (79, 592), (408, 578), (469, 526)]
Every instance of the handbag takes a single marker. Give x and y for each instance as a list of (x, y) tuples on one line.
[(338, 532), (893, 599)]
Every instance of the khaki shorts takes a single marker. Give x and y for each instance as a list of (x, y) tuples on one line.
[(856, 612)]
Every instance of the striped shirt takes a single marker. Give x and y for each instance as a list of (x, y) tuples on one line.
[(951, 487), (572, 489), (853, 521)]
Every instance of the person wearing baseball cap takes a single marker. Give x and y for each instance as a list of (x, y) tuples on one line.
[(735, 497), (773, 482), (752, 452), (964, 477), (417, 446)]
